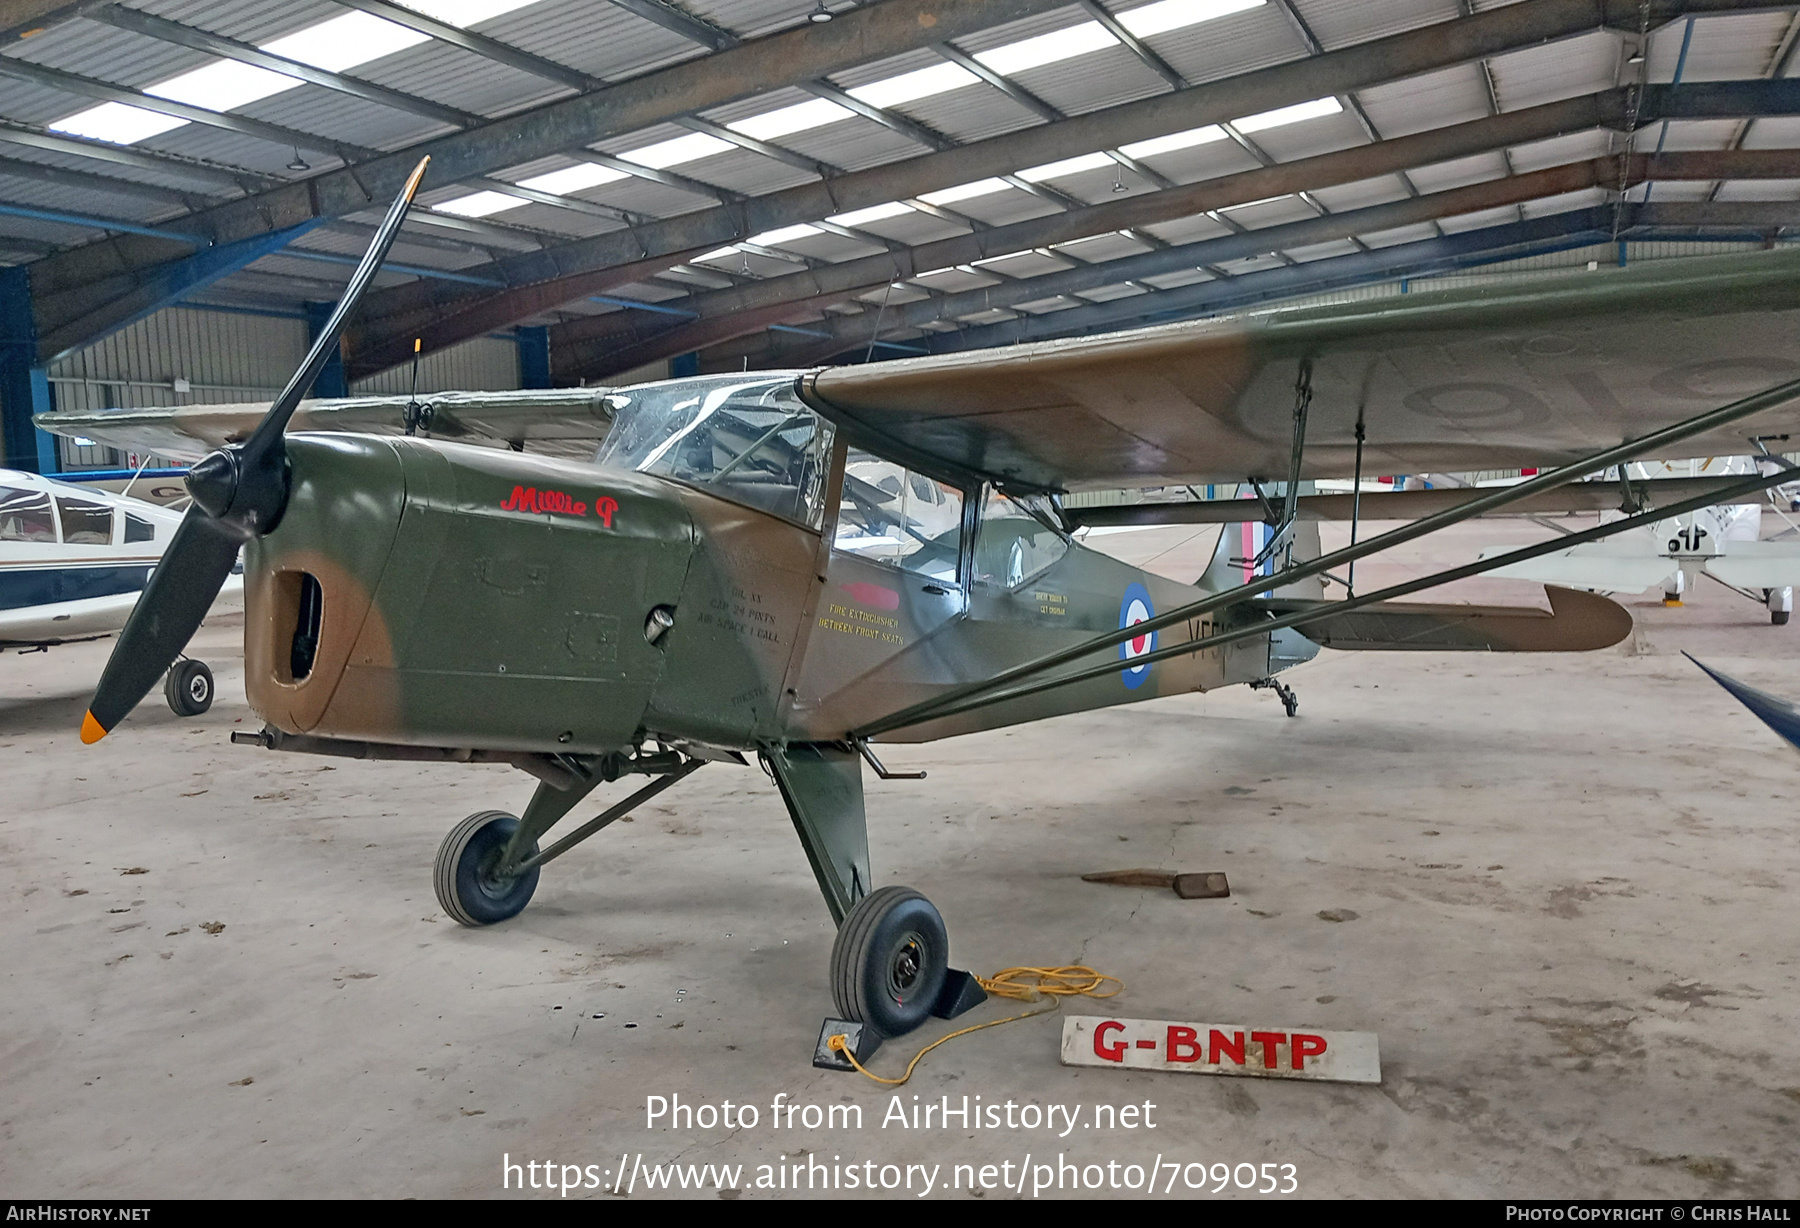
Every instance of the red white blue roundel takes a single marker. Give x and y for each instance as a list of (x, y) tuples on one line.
[(1135, 608)]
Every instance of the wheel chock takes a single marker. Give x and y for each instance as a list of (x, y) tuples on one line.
[(961, 993), (862, 1041)]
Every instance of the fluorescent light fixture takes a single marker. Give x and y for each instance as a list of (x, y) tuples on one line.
[(874, 213), (965, 191), (910, 86), (1068, 166), (1174, 14), (222, 85), (118, 123), (689, 148), (480, 204), (573, 178), (787, 234), (1048, 48), (1288, 115), (797, 118), (1172, 142)]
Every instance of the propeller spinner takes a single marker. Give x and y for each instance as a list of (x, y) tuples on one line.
[(239, 492)]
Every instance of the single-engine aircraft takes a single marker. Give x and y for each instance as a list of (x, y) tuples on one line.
[(794, 565), (72, 563)]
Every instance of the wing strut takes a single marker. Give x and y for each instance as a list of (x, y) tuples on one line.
[(1632, 448), (1318, 613)]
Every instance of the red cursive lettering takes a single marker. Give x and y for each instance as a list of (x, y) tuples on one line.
[(604, 507), (530, 499)]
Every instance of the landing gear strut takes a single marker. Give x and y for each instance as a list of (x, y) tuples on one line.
[(487, 867), (1290, 701), (890, 963)]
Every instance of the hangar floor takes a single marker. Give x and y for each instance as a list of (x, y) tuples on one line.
[(1562, 884)]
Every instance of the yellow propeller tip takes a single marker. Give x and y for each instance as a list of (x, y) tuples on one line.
[(91, 730)]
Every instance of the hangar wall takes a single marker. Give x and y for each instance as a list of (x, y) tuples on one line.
[(236, 356)]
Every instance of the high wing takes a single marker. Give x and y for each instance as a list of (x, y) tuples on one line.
[(1480, 377), (565, 422)]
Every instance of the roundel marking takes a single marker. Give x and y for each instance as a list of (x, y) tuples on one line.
[(1134, 608)]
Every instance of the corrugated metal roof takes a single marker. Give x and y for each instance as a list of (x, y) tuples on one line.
[(607, 41), (1228, 46), (1430, 100), (1339, 23), (1557, 70), (1091, 82)]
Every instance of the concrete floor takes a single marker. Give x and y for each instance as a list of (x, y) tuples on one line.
[(1563, 883)]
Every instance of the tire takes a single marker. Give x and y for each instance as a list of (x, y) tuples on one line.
[(1779, 617), (462, 875), (188, 688), (889, 961)]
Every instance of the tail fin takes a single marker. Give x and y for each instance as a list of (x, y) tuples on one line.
[(1244, 541)]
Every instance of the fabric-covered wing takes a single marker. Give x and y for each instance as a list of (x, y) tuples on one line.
[(1484, 377), (557, 421)]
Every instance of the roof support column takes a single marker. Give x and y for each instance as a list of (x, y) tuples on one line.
[(24, 386), (534, 355)]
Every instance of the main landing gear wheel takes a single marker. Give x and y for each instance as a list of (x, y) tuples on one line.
[(188, 687), (467, 885), (889, 962)]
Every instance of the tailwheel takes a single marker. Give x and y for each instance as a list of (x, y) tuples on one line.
[(188, 687), (890, 961), (467, 874)]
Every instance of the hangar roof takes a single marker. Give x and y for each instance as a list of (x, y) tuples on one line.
[(782, 182)]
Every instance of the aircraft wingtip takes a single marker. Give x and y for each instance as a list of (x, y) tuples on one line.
[(91, 730)]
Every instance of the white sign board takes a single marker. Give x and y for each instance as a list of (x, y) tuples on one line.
[(1262, 1052)]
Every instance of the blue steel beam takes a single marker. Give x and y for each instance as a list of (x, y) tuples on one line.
[(172, 282)]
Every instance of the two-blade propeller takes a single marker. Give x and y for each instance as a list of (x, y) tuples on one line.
[(239, 493)]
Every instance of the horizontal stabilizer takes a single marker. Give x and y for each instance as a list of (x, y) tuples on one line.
[(1778, 714), (1626, 564), (1578, 622), (1758, 564)]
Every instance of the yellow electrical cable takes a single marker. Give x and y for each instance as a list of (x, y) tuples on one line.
[(1071, 980)]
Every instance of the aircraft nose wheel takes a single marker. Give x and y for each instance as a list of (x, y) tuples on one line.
[(890, 961), (466, 876), (188, 687)]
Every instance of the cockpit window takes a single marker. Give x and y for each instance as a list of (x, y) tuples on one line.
[(138, 529), (1018, 539), (84, 523), (892, 515), (747, 438), (25, 516)]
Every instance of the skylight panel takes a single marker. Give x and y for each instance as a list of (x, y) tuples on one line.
[(1288, 115), (717, 253), (911, 86), (1068, 166), (480, 204), (689, 148), (344, 42), (574, 178), (874, 213), (1175, 140), (465, 13), (787, 234), (797, 118), (118, 123), (222, 85), (1174, 14), (1048, 48), (965, 191)]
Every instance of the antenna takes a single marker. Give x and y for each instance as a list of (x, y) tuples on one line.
[(416, 415)]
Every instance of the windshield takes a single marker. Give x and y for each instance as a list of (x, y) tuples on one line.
[(747, 438)]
